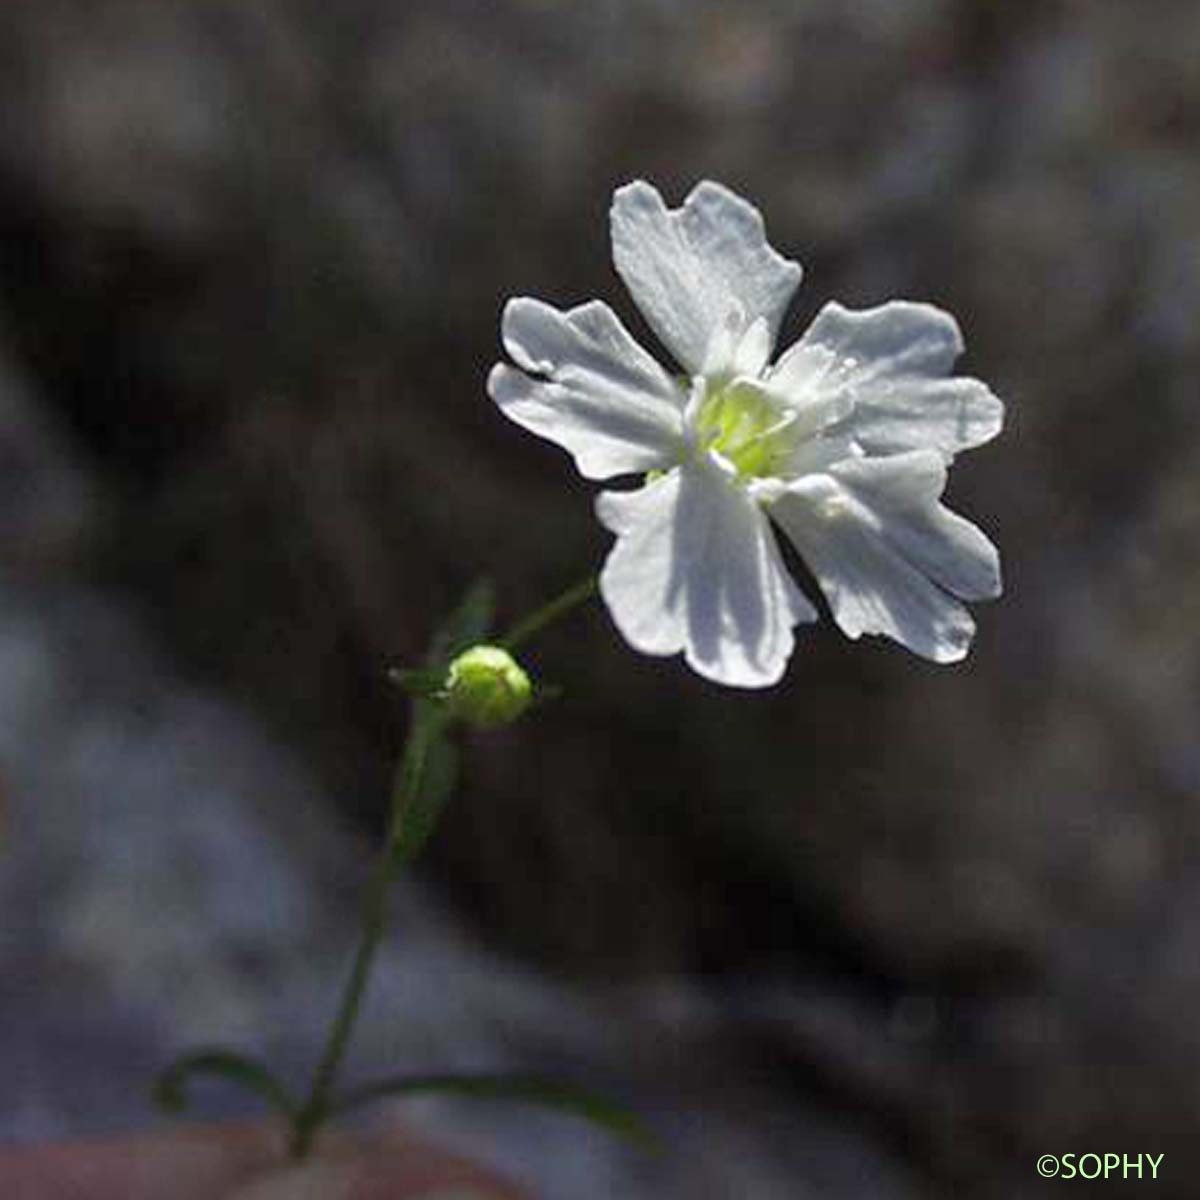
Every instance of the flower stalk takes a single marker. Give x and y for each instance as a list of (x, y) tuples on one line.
[(840, 445), (520, 633), (316, 1108), (411, 817)]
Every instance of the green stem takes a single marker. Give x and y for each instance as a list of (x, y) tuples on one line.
[(316, 1108), (548, 613), (309, 1118)]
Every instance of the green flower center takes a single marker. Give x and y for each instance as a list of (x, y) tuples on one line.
[(744, 426)]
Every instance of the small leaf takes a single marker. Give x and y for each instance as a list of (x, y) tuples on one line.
[(170, 1089), (428, 770), (423, 682), (527, 1089), (469, 623), (427, 777)]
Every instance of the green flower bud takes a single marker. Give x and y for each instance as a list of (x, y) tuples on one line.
[(486, 687)]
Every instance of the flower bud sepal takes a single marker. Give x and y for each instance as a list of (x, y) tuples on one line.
[(485, 687)]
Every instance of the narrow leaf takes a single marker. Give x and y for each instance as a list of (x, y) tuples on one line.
[(170, 1089), (427, 777), (469, 623), (423, 682), (428, 770), (527, 1089)]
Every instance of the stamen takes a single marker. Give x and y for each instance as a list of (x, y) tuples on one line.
[(745, 427)]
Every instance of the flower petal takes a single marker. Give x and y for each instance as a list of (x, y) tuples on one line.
[(693, 270), (893, 361), (887, 554), (904, 491), (696, 568), (604, 399)]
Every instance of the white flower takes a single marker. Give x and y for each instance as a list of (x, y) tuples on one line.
[(843, 442)]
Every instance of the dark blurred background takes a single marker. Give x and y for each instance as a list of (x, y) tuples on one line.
[(890, 929)]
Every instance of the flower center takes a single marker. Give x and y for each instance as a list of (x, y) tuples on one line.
[(745, 427)]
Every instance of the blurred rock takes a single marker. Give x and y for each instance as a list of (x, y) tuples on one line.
[(48, 510)]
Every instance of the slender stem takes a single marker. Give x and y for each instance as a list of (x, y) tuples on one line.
[(426, 726), (314, 1111), (310, 1117), (548, 613)]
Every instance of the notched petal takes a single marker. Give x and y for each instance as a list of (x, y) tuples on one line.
[(889, 557), (586, 341), (696, 569), (893, 363), (904, 491), (599, 395), (689, 268)]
